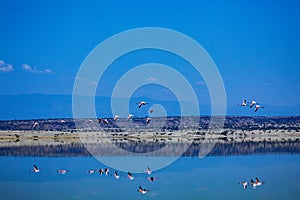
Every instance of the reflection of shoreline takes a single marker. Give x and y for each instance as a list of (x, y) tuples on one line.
[(108, 149)]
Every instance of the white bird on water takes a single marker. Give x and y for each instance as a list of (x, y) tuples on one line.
[(106, 171), (35, 169), (245, 184), (91, 171), (148, 170), (256, 183), (152, 179), (62, 171), (116, 175), (142, 190), (129, 175)]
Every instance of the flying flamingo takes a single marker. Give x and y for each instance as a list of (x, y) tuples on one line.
[(142, 103), (105, 121), (129, 116), (148, 119), (116, 117), (257, 107), (244, 103), (252, 103), (35, 125)]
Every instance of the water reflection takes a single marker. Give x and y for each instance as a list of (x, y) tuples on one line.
[(214, 177), (108, 149)]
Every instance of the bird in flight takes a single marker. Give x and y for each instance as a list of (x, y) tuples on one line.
[(106, 121), (252, 103), (142, 103), (129, 116), (244, 103), (257, 107), (35, 125), (116, 117)]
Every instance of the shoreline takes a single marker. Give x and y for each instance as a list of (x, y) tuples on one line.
[(40, 137), (265, 134)]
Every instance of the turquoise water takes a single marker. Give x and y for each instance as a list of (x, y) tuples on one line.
[(212, 177)]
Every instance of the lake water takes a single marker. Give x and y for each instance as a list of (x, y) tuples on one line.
[(211, 177)]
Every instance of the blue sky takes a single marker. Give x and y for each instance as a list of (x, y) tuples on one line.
[(255, 44)]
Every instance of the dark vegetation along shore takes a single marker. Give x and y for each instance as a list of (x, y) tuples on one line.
[(69, 137), (169, 123)]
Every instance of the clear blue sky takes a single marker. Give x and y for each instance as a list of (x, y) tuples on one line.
[(255, 44)]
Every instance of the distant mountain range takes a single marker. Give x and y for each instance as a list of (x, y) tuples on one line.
[(44, 106)]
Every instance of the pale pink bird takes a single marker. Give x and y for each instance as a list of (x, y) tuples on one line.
[(129, 175), (62, 171), (116, 175), (142, 103), (257, 107), (148, 170), (252, 103), (148, 119), (116, 117), (105, 121), (36, 169), (244, 103), (142, 190), (244, 183), (129, 116), (256, 183), (35, 125)]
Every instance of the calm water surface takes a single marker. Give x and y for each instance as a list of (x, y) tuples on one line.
[(212, 177)]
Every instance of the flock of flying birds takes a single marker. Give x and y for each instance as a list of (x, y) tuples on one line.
[(148, 119), (116, 117), (130, 116), (251, 104), (105, 171), (142, 190)]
